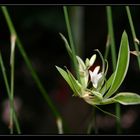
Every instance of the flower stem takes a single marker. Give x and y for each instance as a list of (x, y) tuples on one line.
[(29, 65), (9, 95), (75, 64), (114, 61), (111, 36), (133, 33), (118, 114), (12, 63)]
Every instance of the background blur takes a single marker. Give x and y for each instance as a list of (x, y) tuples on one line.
[(38, 28)]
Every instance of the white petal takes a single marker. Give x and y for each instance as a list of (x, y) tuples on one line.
[(96, 70), (99, 76), (95, 77), (92, 59)]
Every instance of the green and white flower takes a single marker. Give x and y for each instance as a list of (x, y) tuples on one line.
[(100, 92), (83, 69)]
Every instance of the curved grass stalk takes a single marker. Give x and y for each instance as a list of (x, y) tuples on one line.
[(75, 64), (12, 64), (29, 65), (9, 95), (133, 32)]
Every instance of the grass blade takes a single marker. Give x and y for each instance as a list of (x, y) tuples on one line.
[(28, 63), (12, 64), (67, 46), (65, 76), (75, 63), (133, 32)]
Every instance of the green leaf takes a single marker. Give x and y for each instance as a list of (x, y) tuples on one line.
[(65, 76), (67, 45), (122, 66), (107, 84), (75, 84), (127, 98), (108, 113), (103, 61)]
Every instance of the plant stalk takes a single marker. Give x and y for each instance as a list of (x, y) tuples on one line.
[(114, 61)]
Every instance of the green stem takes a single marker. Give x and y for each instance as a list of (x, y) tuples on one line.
[(75, 64), (107, 48), (77, 21), (12, 63), (118, 114), (93, 122), (114, 61), (111, 36), (9, 95), (29, 65), (133, 32)]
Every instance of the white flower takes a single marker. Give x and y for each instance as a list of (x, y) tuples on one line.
[(95, 77), (90, 62), (83, 69)]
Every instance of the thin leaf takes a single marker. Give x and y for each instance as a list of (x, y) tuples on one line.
[(106, 112), (65, 76), (106, 69), (127, 98), (103, 61), (75, 84), (122, 65), (95, 102), (67, 45), (107, 84)]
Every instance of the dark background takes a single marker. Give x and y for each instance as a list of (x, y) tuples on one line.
[(38, 28)]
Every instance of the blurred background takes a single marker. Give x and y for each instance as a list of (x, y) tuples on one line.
[(38, 28)]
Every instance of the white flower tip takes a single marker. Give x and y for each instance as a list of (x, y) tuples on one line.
[(92, 59), (96, 70)]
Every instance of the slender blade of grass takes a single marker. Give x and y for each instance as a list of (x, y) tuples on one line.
[(12, 63), (75, 64), (111, 36), (29, 65), (133, 32), (8, 92), (114, 58)]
